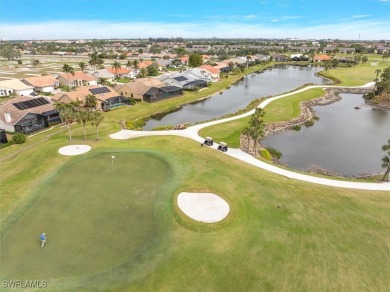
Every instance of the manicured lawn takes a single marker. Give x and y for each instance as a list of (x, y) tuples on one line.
[(360, 74), (280, 110), (281, 234)]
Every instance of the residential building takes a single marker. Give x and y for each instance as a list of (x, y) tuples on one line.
[(107, 98), (42, 83), (27, 115), (78, 79), (148, 90), (15, 86), (321, 58), (102, 73), (122, 72)]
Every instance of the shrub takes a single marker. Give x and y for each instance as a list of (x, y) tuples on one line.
[(160, 128), (265, 154), (309, 123), (19, 138), (296, 128), (274, 153), (132, 125)]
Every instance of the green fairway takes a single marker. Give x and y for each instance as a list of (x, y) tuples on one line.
[(359, 74), (280, 110), (96, 216)]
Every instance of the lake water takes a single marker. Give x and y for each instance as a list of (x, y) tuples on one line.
[(272, 81), (344, 140)]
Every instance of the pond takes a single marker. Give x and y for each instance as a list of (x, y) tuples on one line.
[(345, 140), (272, 81)]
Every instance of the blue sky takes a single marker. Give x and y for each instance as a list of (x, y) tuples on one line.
[(56, 19)]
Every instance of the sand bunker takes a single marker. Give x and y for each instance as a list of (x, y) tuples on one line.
[(74, 150), (203, 207)]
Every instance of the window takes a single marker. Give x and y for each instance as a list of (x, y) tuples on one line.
[(131, 95)]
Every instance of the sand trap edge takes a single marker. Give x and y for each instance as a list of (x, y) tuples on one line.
[(203, 207)]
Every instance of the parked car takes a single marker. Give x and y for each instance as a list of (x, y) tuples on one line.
[(208, 141), (223, 147)]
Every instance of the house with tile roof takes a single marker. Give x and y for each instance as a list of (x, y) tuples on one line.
[(122, 72), (213, 70), (78, 79), (321, 58), (27, 115), (15, 86), (107, 98), (42, 83), (148, 90), (102, 73)]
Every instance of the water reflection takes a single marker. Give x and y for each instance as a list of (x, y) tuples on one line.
[(272, 81), (345, 140)]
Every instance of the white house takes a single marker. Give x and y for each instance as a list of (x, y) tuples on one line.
[(78, 79), (42, 83), (15, 86)]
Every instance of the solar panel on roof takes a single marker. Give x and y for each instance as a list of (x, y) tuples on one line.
[(99, 90), (180, 78), (31, 103)]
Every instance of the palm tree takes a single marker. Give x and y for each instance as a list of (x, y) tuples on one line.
[(83, 117), (67, 115), (246, 132), (377, 71), (69, 70), (97, 118), (82, 66), (257, 127), (102, 81), (90, 102), (143, 73), (136, 66), (386, 161), (128, 64), (116, 66)]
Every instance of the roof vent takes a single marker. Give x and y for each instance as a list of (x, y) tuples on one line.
[(7, 117)]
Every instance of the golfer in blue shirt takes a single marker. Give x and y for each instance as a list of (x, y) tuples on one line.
[(43, 239)]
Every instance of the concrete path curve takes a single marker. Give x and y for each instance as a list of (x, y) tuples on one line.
[(192, 133)]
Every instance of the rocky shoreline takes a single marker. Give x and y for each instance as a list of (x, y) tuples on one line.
[(332, 95)]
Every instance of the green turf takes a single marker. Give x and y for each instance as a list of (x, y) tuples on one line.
[(85, 208), (319, 239)]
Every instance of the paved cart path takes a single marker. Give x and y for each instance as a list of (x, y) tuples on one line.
[(192, 133)]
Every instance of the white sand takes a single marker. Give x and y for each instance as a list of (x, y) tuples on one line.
[(74, 150), (203, 207)]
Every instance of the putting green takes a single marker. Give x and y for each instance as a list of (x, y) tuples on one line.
[(96, 216)]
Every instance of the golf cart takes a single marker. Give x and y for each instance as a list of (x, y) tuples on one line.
[(208, 141), (223, 147)]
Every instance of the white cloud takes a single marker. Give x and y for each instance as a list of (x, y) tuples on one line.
[(101, 29), (360, 15), (252, 16)]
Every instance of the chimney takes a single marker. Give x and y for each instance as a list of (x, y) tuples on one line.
[(7, 117)]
